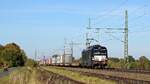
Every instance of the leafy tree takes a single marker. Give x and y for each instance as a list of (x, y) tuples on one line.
[(144, 63), (133, 65), (130, 62), (113, 62), (1, 60), (12, 55), (121, 63), (114, 59), (130, 59)]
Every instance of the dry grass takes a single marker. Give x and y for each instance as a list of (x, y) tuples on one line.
[(77, 76), (4, 80), (24, 75), (27, 75)]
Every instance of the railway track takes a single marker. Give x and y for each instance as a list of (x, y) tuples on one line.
[(117, 70), (53, 78), (120, 76), (128, 70)]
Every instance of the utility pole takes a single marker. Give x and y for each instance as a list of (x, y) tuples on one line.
[(87, 34), (125, 31), (72, 47), (98, 34), (126, 36), (65, 41), (35, 54)]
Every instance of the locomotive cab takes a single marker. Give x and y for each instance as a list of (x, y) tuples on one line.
[(99, 57), (95, 56)]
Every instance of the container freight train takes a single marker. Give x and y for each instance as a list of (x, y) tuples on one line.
[(62, 60), (92, 56), (56, 60)]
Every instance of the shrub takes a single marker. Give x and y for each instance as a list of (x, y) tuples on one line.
[(31, 63)]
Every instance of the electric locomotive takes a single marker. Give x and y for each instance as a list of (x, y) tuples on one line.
[(94, 56)]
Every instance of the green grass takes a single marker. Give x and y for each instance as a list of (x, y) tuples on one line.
[(24, 75), (4, 80), (28, 75), (1, 70), (77, 76)]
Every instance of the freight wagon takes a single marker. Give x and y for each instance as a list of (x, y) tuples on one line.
[(62, 59)]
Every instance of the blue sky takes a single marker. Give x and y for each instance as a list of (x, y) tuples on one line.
[(42, 25)]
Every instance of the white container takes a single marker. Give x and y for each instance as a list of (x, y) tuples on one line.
[(54, 59), (68, 59)]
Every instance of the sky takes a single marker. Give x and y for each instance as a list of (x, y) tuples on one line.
[(42, 25)]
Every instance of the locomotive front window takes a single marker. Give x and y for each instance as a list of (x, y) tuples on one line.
[(100, 52), (97, 53), (99, 56)]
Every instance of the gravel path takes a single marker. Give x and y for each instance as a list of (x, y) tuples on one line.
[(5, 73)]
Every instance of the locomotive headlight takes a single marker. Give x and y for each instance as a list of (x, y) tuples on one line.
[(93, 58), (99, 58)]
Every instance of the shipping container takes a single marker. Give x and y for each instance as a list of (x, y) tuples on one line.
[(68, 59)]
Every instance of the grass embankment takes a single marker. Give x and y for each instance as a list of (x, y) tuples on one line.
[(4, 80), (27, 75), (1, 69), (21, 76), (77, 76)]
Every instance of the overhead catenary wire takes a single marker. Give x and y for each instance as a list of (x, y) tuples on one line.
[(136, 18), (141, 31), (140, 16), (133, 20), (120, 5), (139, 8), (115, 37), (105, 15)]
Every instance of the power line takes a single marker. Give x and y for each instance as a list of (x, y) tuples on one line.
[(72, 47), (138, 17), (141, 31), (116, 38), (121, 4), (109, 12), (139, 8)]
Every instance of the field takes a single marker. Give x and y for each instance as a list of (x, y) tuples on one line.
[(49, 75)]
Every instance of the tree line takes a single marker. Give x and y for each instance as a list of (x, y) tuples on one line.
[(130, 63), (12, 55)]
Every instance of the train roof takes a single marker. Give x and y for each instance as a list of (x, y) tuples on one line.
[(94, 47)]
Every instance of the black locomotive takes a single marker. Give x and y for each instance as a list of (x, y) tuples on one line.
[(94, 56)]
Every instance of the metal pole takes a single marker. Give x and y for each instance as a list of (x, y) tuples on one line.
[(87, 34), (64, 50), (35, 54), (72, 48), (98, 34), (126, 36)]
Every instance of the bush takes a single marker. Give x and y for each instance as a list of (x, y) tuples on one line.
[(31, 63), (12, 54)]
